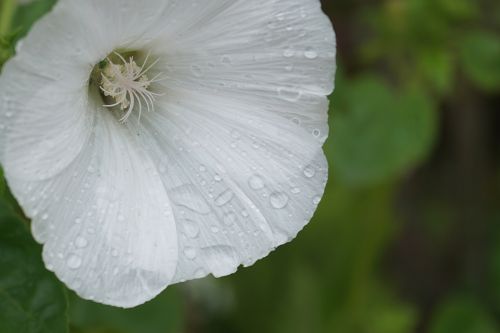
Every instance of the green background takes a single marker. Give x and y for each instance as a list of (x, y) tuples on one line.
[(407, 237)]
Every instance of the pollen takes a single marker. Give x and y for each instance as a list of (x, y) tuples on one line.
[(128, 85)]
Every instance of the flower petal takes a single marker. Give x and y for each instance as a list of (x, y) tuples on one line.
[(240, 184), (105, 221), (281, 51), (239, 131)]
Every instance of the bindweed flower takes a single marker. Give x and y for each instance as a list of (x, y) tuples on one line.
[(153, 142)]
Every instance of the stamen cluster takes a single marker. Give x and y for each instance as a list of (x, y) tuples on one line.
[(128, 85)]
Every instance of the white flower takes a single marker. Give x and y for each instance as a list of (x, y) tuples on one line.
[(158, 141)]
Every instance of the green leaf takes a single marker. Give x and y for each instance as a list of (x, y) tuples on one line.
[(437, 67), (462, 315), (28, 14), (480, 58), (31, 298), (378, 135), (162, 314)]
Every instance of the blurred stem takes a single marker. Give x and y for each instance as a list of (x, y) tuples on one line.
[(7, 9)]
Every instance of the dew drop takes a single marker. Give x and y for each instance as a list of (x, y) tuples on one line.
[(288, 53), (224, 198), (279, 200), (74, 261), (310, 53), (191, 228), (226, 60), (295, 190), (190, 253), (256, 182), (309, 171), (189, 197), (289, 94), (81, 242)]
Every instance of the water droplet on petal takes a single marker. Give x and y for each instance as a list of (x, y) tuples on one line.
[(224, 198), (256, 182), (190, 253), (316, 200), (309, 171), (191, 228), (74, 261), (81, 242), (188, 196), (310, 53), (288, 53), (279, 200)]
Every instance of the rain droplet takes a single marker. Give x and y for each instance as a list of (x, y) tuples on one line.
[(289, 94), (191, 228), (188, 196), (81, 242), (310, 53), (295, 190), (309, 171), (74, 261), (288, 53), (226, 60), (279, 200), (190, 253), (256, 182), (224, 198)]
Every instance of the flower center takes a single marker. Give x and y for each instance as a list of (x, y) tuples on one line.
[(126, 85)]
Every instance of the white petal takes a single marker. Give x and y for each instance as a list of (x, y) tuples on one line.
[(240, 130), (280, 51), (44, 124), (105, 221), (240, 184)]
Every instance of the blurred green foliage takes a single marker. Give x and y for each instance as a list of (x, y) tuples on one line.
[(402, 242), (31, 298)]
